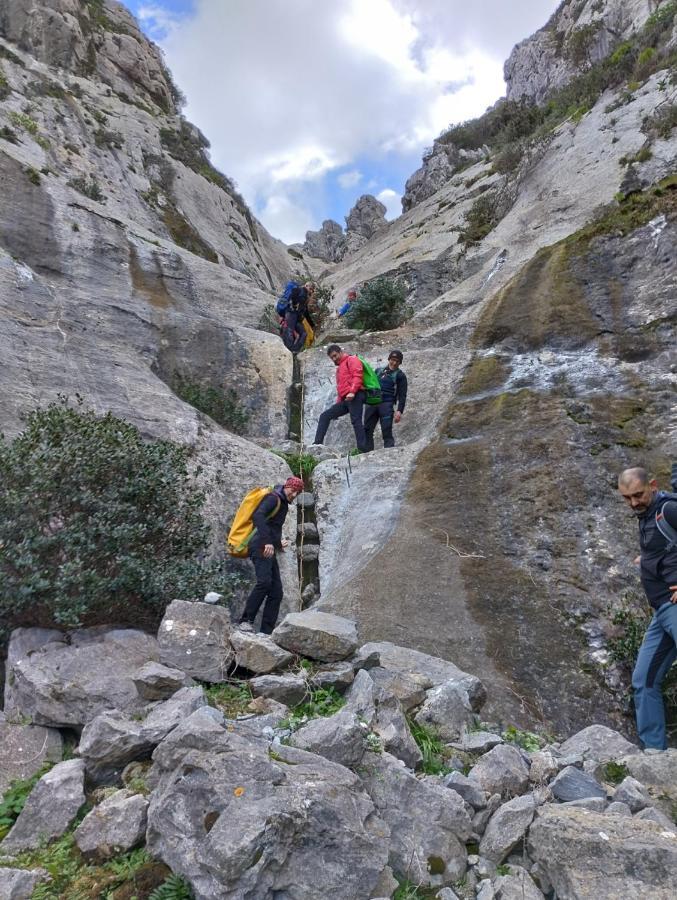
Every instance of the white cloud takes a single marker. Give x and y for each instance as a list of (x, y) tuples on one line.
[(391, 200), (317, 86), (349, 179)]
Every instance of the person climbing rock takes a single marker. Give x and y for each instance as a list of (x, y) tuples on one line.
[(265, 544), (294, 332), (393, 383), (658, 571), (350, 399), (351, 298)]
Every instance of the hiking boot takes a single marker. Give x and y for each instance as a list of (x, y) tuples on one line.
[(246, 626)]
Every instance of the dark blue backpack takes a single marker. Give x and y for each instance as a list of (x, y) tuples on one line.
[(282, 304)]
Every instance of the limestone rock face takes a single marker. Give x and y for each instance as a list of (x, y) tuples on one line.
[(19, 884), (24, 749), (599, 743), (327, 243), (194, 637), (439, 164), (116, 825), (577, 35), (502, 770), (366, 217), (68, 684), (318, 635), (586, 854)]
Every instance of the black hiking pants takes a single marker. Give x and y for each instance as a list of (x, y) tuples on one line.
[(268, 587), (343, 408), (383, 413), (294, 335)]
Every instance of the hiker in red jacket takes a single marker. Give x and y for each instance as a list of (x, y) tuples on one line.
[(350, 391)]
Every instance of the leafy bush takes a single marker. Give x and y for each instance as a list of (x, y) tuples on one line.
[(96, 524), (481, 218), (301, 464), (222, 406), (89, 188), (380, 306)]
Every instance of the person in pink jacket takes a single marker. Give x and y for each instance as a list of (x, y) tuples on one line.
[(350, 389)]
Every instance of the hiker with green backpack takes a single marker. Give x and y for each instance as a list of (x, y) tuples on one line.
[(356, 384), (393, 384)]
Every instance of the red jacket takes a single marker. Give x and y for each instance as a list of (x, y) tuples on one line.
[(348, 376)]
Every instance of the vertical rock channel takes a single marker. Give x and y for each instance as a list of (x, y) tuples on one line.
[(307, 535)]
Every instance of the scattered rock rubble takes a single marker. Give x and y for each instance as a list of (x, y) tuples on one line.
[(247, 805)]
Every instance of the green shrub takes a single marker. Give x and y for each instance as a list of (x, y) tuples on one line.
[(321, 702), (431, 747), (97, 524), (580, 41), (615, 772), (408, 890), (527, 740), (174, 888), (231, 697), (23, 121), (33, 176), (104, 138), (89, 188), (190, 146), (380, 306), (301, 464), (508, 159), (223, 407), (481, 218)]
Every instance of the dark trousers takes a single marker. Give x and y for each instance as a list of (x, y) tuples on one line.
[(293, 323), (383, 413), (342, 408), (268, 585)]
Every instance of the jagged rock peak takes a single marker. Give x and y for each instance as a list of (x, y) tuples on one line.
[(363, 221), (326, 243), (92, 38), (439, 164), (577, 35), (366, 217)]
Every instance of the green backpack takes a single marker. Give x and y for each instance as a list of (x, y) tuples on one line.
[(372, 386)]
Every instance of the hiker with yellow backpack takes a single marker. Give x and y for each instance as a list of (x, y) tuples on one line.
[(356, 384), (256, 532)]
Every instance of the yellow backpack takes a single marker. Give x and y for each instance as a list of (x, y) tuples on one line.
[(242, 530)]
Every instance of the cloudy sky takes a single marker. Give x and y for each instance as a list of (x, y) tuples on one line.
[(310, 103)]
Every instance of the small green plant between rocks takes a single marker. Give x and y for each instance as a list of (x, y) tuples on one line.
[(14, 799), (615, 772), (321, 702), (301, 464), (431, 747), (231, 697), (174, 888), (527, 740)]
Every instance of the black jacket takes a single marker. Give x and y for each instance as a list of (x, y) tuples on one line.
[(393, 386), (658, 562), (298, 303), (269, 530)]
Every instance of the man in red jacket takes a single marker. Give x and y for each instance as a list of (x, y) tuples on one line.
[(350, 390)]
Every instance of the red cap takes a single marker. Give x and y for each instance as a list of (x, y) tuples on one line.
[(294, 483)]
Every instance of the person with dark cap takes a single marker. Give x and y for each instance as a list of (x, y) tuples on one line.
[(268, 519), (393, 394)]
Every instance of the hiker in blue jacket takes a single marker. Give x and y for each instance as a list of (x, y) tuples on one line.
[(656, 513), (393, 383), (294, 334)]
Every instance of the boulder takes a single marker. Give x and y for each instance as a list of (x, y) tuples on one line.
[(597, 804), (414, 664), (194, 637), (656, 771), (598, 742), (517, 885), (239, 818), (339, 675), (157, 682), (288, 689), (507, 827), (318, 635), (428, 823), (340, 738), (410, 690), (19, 884), (24, 749), (651, 814), (467, 788), (258, 652), (50, 808), (502, 770), (112, 740), (543, 766), (586, 854), (477, 742), (393, 730), (22, 643), (114, 826), (573, 784), (446, 710), (68, 684), (633, 793), (618, 809)]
